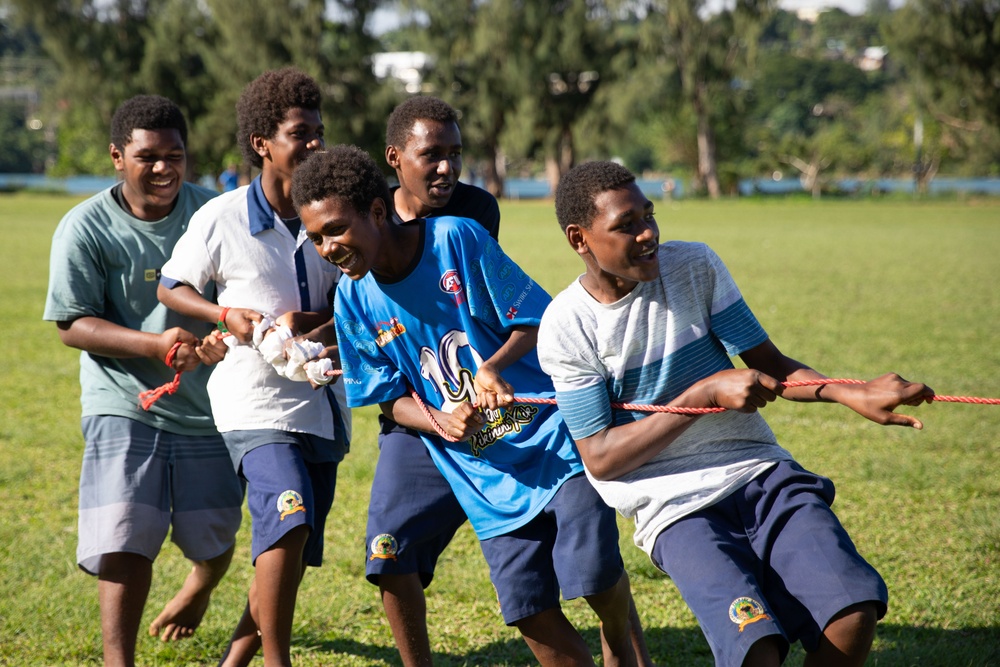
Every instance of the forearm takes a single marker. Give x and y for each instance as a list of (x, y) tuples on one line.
[(521, 341), (318, 327), (406, 412), (100, 337), (186, 300), (618, 450)]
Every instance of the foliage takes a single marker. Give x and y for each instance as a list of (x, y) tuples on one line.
[(672, 86), (200, 54), (913, 290)]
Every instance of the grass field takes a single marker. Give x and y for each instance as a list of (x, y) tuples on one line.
[(854, 289)]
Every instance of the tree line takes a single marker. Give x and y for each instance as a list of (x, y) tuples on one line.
[(667, 86)]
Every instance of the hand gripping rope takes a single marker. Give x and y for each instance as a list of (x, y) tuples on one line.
[(689, 411), (150, 396)]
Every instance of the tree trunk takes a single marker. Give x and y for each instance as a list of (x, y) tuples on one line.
[(561, 159), (494, 171), (707, 169)]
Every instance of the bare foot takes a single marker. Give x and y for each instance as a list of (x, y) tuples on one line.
[(182, 615)]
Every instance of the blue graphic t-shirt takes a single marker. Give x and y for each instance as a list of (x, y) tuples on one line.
[(431, 330)]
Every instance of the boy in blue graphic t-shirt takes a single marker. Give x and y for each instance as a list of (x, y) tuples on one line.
[(438, 306)]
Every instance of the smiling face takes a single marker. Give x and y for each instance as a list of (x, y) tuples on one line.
[(428, 167), (620, 246), (343, 236), (153, 164), (298, 135)]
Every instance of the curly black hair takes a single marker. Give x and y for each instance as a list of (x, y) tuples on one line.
[(404, 116), (579, 187), (265, 102), (344, 172), (146, 112)]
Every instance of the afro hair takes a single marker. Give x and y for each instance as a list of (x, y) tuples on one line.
[(265, 102), (146, 112), (343, 172), (580, 186), (404, 117)]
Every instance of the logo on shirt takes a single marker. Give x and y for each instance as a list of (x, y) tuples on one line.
[(501, 423), (451, 283), (387, 331), (289, 503), (511, 313), (151, 275), (744, 611), (384, 547)]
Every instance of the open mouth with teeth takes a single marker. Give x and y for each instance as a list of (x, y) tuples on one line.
[(347, 262), (441, 188), (161, 184)]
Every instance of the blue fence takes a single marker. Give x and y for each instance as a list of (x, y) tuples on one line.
[(524, 188)]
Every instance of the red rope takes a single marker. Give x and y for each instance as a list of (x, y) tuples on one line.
[(150, 396), (688, 411)]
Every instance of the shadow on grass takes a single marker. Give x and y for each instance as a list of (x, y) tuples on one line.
[(897, 645)]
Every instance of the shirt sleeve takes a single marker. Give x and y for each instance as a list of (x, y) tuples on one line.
[(191, 261), (501, 294), (581, 388), (732, 321), (76, 276), (370, 376)]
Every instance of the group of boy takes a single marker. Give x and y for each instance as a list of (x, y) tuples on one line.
[(439, 327)]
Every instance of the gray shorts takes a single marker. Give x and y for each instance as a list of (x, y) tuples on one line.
[(137, 483)]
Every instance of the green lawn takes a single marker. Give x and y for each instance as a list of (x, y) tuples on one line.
[(854, 289)]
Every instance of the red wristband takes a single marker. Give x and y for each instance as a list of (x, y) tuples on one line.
[(221, 324)]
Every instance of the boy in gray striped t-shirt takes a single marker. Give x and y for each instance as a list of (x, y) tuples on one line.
[(746, 533)]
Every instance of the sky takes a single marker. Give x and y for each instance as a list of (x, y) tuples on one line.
[(388, 18)]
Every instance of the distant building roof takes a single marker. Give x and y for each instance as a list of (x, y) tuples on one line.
[(406, 67)]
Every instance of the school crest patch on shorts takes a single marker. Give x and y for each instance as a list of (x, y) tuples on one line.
[(384, 546), (290, 502), (744, 611)]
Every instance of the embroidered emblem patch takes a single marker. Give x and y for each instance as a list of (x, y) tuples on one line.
[(290, 502), (384, 546), (744, 611), (151, 275)]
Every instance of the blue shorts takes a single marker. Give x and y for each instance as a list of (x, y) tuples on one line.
[(769, 559), (285, 491), (137, 482), (571, 545), (413, 513)]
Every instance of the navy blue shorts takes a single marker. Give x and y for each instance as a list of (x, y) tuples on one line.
[(413, 513), (284, 492), (571, 545), (769, 559)]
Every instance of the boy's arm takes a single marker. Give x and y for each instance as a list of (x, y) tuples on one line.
[(317, 326), (616, 450), (492, 391), (107, 339), (461, 424), (874, 400), (186, 300)]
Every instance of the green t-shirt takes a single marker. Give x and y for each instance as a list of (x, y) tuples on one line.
[(106, 263)]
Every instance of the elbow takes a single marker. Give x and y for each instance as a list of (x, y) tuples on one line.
[(599, 468), (604, 473), (163, 294), (68, 335)]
